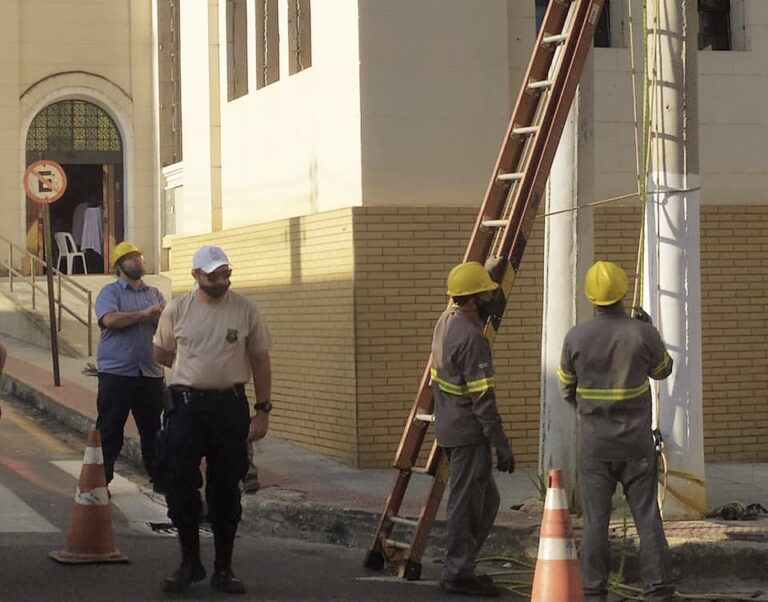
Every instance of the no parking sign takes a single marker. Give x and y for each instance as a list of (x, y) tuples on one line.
[(45, 181)]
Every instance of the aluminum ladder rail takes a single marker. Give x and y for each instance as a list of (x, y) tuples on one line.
[(498, 240)]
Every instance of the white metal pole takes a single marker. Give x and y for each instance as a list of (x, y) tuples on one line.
[(672, 290)]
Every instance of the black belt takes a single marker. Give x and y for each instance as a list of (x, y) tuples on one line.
[(189, 393)]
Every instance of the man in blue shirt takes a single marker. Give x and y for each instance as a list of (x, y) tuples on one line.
[(129, 378)]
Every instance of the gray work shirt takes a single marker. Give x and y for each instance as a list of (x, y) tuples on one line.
[(127, 351), (463, 383), (604, 371)]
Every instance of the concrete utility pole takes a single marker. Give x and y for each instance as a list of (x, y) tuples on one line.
[(568, 253), (672, 289)]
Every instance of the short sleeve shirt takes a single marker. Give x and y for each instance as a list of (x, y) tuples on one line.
[(127, 351), (213, 342)]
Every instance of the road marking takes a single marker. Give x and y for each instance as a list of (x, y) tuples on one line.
[(395, 579), (138, 507), (37, 432), (17, 516)]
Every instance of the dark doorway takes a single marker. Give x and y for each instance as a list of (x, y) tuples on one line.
[(85, 141)]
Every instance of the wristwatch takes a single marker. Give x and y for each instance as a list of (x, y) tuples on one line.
[(263, 406)]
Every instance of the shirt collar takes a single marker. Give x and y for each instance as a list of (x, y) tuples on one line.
[(125, 285)]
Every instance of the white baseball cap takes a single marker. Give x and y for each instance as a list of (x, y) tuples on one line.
[(208, 258)]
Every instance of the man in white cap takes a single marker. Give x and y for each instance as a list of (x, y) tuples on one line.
[(214, 340)]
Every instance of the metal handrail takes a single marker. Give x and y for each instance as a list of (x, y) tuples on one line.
[(62, 281)]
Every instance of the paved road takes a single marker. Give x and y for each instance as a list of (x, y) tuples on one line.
[(39, 466), (38, 476)]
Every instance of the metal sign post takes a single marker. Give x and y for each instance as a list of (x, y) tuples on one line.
[(45, 183)]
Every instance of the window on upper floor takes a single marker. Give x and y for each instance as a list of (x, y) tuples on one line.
[(237, 49), (604, 36), (715, 25), (169, 80), (267, 43), (299, 35)]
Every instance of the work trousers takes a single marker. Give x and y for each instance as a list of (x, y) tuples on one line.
[(597, 483), (473, 501), (213, 424), (118, 396)]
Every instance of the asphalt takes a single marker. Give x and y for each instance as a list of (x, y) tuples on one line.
[(309, 496)]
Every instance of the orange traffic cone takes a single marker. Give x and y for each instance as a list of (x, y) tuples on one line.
[(90, 537), (557, 577)]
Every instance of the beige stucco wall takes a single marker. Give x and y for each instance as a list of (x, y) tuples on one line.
[(733, 125), (435, 96), (95, 50)]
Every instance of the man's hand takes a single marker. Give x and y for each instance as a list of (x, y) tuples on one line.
[(505, 459), (642, 315), (153, 311), (259, 426)]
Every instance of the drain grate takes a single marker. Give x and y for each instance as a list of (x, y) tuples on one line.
[(168, 530)]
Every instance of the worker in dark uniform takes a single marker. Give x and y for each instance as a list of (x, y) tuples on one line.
[(214, 341), (467, 425), (604, 371)]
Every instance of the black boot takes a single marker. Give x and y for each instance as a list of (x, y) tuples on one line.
[(223, 579), (191, 569)]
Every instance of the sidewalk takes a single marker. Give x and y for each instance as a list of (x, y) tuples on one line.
[(307, 495)]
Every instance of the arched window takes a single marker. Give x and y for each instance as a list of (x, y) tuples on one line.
[(75, 126)]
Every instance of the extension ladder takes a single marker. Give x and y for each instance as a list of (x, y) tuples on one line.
[(498, 240)]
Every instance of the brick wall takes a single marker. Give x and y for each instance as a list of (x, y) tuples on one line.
[(299, 272), (351, 297), (734, 274), (402, 258)]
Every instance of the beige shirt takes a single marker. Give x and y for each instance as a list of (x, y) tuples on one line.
[(212, 342)]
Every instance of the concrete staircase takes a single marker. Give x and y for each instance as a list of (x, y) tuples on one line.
[(19, 319)]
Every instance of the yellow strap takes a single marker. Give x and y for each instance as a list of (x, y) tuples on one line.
[(613, 394), (663, 365), (473, 386), (567, 378)]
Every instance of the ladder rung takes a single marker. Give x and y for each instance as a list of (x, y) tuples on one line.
[(531, 129), (556, 39), (544, 83), (400, 545), (506, 177), (425, 417), (419, 470), (495, 223), (405, 522)]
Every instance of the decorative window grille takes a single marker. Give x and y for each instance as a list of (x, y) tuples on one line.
[(73, 125)]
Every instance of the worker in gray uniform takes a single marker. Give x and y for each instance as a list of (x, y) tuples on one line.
[(604, 371), (467, 424)]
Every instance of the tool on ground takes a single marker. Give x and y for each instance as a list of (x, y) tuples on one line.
[(556, 577), (498, 240), (90, 538)]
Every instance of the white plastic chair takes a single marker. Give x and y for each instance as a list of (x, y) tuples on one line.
[(67, 248)]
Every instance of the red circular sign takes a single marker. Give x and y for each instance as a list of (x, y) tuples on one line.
[(45, 181)]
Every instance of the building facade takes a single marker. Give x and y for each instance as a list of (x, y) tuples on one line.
[(338, 151), (77, 87)]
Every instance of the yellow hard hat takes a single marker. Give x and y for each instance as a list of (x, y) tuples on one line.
[(121, 250), (469, 278), (605, 283)]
